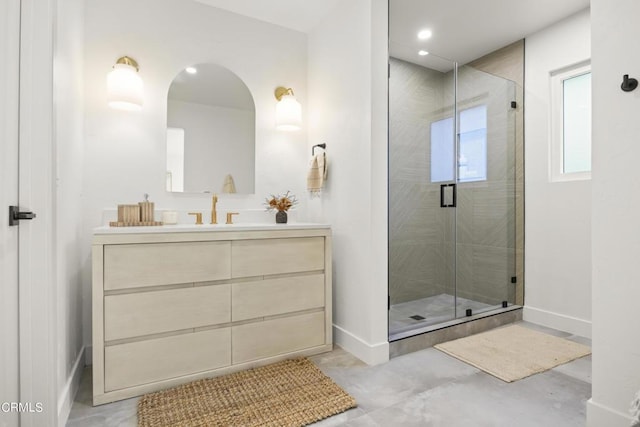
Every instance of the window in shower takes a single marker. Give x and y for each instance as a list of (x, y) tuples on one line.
[(472, 158), (442, 150), (571, 123)]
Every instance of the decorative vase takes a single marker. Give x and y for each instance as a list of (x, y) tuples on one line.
[(281, 217)]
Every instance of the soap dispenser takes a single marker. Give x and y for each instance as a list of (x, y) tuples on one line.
[(146, 210)]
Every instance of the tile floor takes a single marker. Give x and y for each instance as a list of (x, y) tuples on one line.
[(435, 309), (426, 388)]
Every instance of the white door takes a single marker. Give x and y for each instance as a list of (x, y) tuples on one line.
[(9, 107), (27, 304), (36, 239)]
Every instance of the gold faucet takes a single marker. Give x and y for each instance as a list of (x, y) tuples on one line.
[(214, 214), (198, 217), (230, 217)]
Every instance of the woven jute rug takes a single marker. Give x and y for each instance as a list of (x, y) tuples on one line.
[(514, 352), (288, 393)]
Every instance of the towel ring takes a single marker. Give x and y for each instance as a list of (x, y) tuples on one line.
[(313, 149)]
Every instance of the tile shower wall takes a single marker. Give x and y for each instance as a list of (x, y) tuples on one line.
[(421, 233), (417, 267)]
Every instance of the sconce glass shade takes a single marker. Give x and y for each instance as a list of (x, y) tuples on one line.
[(124, 87), (288, 113)]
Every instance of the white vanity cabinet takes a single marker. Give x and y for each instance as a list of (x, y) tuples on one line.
[(172, 305)]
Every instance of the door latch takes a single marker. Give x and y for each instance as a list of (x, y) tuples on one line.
[(15, 216)]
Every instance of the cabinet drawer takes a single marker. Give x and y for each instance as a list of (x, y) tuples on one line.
[(128, 365), (276, 256), (155, 312), (272, 337), (276, 296), (131, 266)]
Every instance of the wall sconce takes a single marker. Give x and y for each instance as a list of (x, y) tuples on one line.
[(288, 110), (124, 85)]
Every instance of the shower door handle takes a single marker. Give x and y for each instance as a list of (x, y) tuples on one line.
[(443, 188)]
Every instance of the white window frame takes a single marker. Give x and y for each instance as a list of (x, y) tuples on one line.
[(556, 149)]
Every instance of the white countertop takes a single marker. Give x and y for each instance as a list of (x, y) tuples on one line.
[(190, 228)]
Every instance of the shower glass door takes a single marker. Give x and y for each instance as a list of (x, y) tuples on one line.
[(451, 194), (485, 211), (422, 193)]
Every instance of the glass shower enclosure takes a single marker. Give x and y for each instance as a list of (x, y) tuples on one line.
[(452, 195)]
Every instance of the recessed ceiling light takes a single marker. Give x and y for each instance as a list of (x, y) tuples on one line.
[(424, 34), (423, 53), (191, 70)]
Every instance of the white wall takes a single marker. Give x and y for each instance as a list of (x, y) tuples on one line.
[(125, 151), (615, 207), (217, 141), (348, 101), (558, 214), (68, 66)]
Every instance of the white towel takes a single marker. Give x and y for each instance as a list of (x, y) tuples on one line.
[(317, 174)]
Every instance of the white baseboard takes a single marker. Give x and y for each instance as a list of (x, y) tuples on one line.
[(557, 321), (599, 415), (68, 393), (371, 354)]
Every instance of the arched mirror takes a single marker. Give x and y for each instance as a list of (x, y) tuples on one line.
[(210, 132)]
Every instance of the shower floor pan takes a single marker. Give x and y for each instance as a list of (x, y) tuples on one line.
[(432, 313)]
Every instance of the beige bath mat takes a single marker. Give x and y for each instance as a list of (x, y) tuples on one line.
[(289, 393), (514, 352)]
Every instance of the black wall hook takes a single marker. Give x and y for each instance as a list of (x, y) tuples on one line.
[(628, 84)]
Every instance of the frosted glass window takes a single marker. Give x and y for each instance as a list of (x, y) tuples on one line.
[(442, 150), (576, 117), (472, 160)]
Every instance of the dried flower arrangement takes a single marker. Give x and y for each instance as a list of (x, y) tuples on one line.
[(281, 203)]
